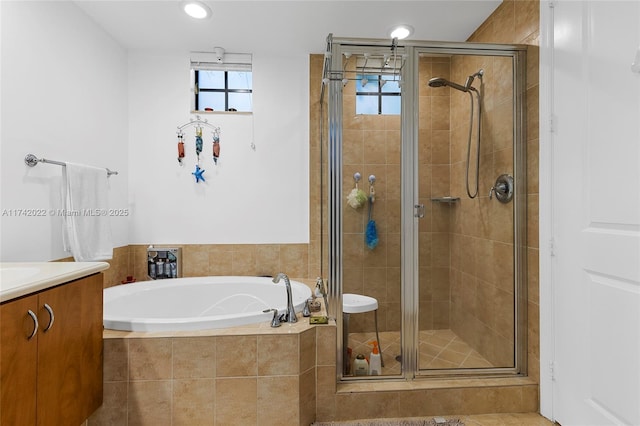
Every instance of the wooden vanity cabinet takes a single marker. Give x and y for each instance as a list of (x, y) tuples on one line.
[(18, 361), (54, 378)]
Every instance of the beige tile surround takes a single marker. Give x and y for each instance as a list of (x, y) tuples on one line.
[(257, 376), (296, 260)]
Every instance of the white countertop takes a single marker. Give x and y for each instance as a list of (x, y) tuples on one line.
[(22, 278)]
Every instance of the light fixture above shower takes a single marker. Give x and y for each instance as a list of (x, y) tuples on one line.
[(196, 9), (401, 31)]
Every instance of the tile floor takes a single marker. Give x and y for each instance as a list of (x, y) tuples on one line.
[(438, 349), (505, 419), (512, 419)]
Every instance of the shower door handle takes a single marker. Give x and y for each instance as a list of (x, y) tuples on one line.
[(419, 211)]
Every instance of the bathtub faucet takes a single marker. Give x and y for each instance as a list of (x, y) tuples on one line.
[(290, 315)]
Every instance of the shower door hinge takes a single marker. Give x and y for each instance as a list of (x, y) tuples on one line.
[(552, 247), (419, 211), (552, 372), (552, 123)]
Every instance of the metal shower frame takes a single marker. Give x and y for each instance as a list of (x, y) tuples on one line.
[(332, 81)]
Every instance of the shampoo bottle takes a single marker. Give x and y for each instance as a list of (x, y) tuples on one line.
[(375, 364), (360, 365)]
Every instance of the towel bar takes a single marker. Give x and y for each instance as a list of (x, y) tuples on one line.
[(31, 161)]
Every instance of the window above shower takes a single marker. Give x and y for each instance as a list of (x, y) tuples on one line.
[(377, 94), (221, 82)]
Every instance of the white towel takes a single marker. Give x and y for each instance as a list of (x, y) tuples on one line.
[(87, 232)]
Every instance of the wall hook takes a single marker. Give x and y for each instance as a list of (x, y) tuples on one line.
[(372, 191)]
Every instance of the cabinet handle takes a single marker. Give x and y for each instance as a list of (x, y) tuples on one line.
[(51, 317), (34, 317)]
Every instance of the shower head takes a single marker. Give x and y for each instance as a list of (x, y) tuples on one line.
[(442, 82), (437, 82)]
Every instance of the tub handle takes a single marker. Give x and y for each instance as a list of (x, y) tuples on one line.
[(306, 311), (34, 317), (275, 321), (51, 317)]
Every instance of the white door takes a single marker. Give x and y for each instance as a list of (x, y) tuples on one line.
[(595, 208)]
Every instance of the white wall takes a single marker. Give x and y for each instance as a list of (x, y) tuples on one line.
[(251, 196), (64, 97), (70, 93)]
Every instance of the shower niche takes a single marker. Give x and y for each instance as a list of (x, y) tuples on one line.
[(164, 262), (449, 270)]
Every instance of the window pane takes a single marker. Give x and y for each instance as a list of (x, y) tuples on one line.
[(210, 79), (239, 80), (391, 104), (391, 86), (211, 100), (371, 83), (240, 101), (366, 104)]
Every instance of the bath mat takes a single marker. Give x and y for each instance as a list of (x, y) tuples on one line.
[(412, 421)]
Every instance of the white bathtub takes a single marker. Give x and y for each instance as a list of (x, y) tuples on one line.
[(197, 303)]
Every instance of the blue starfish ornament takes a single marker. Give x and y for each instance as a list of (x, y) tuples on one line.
[(198, 174)]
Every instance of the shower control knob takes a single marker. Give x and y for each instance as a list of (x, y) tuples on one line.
[(498, 189), (503, 188)]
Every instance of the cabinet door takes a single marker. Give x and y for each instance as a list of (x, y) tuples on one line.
[(18, 356), (70, 352)]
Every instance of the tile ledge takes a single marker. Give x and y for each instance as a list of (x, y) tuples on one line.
[(430, 383), (247, 330)]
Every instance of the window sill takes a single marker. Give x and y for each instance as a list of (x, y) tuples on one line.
[(221, 112)]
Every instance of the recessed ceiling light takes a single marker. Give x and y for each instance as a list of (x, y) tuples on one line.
[(196, 9), (401, 31)]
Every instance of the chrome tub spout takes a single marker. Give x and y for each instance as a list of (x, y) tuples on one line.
[(290, 315)]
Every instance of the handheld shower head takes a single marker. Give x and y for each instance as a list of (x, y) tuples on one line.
[(437, 82), (468, 88), (442, 82)]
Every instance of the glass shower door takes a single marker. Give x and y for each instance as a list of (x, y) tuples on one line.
[(467, 286), (443, 287), (370, 224)]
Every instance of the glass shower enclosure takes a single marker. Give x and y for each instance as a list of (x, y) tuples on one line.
[(425, 206)]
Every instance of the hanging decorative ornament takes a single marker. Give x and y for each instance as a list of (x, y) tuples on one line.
[(198, 142), (198, 174), (180, 148), (216, 146)]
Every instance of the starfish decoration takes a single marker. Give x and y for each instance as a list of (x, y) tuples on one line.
[(198, 174)]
